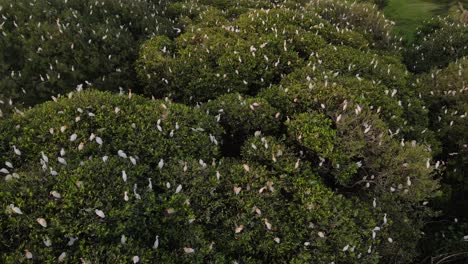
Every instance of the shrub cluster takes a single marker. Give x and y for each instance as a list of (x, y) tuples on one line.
[(438, 42), (50, 47), (284, 131), (445, 93), (157, 177)]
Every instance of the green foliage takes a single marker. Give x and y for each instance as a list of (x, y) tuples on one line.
[(445, 239), (218, 54), (388, 69), (297, 143), (381, 3), (241, 117), (270, 152), (438, 42), (186, 219), (169, 199), (50, 47), (338, 86), (335, 77), (446, 97), (233, 58), (313, 131), (363, 18), (391, 174), (364, 159), (116, 120)]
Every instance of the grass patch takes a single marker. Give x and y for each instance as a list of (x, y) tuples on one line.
[(409, 14)]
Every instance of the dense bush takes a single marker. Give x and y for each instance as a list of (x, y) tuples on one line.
[(302, 139), (445, 93), (438, 42), (381, 83), (50, 47), (79, 124), (363, 18), (206, 215), (210, 60), (253, 197), (335, 88), (380, 3), (446, 97), (217, 55), (313, 131), (241, 117), (111, 209)]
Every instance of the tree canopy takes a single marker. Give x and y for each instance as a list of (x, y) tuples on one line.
[(229, 132), (51, 47)]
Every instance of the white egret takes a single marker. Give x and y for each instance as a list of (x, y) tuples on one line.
[(408, 181), (124, 176), (150, 184), (121, 154), (137, 196), (156, 243), (15, 209), (47, 242), (188, 250), (42, 222), (267, 224), (346, 248), (62, 257), (178, 189), (99, 213), (62, 161), (16, 150), (9, 164)]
